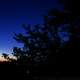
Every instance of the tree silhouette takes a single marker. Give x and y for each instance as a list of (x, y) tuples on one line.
[(42, 43), (44, 39), (43, 48)]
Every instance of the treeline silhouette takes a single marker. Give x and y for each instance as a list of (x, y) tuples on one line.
[(44, 52)]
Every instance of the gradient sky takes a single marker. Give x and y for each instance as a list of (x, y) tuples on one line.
[(15, 12)]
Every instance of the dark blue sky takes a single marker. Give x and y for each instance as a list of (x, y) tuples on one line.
[(15, 12)]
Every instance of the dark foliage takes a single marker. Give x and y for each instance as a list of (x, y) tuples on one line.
[(72, 49), (42, 45)]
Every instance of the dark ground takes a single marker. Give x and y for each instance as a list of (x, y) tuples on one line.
[(11, 71)]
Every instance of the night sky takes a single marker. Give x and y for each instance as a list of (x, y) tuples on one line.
[(13, 13)]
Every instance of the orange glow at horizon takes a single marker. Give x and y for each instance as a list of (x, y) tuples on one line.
[(2, 58)]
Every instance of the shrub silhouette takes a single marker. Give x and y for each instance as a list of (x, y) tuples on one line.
[(5, 55)]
